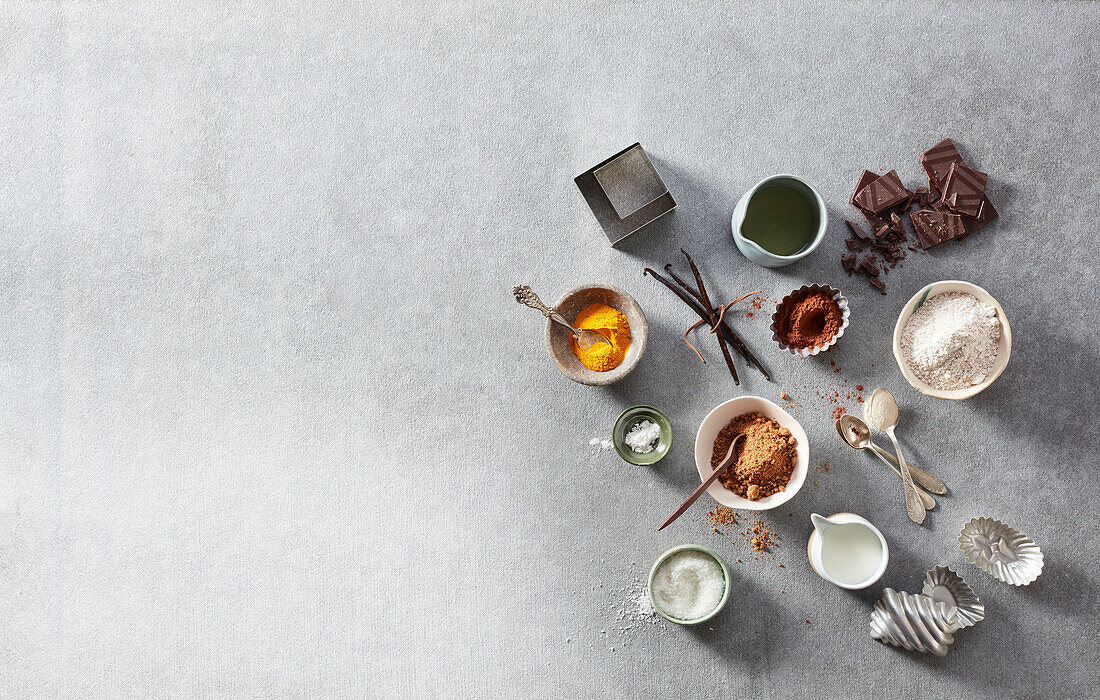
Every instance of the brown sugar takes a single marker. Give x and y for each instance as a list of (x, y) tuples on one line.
[(721, 515), (765, 457), (763, 539)]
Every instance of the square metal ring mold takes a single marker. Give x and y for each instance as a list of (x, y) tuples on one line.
[(625, 192)]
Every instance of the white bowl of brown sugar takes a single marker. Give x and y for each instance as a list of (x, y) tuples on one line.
[(772, 459)]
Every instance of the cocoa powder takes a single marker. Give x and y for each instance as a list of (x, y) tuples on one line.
[(810, 320), (765, 457)]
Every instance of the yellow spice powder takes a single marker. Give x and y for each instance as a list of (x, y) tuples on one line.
[(610, 324)]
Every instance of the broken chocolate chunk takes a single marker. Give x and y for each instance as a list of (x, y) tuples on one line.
[(940, 206), (895, 223), (882, 193), (868, 266), (857, 243), (874, 220), (986, 213), (879, 284), (865, 178), (964, 189), (937, 161), (849, 263), (857, 231), (934, 227), (882, 231)]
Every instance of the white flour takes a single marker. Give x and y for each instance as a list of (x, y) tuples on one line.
[(951, 341)]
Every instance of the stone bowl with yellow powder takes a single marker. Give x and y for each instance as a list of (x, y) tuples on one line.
[(611, 312)]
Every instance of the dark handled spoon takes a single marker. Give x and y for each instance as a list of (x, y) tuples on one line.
[(726, 464)]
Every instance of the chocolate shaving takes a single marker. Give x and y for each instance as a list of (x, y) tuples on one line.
[(849, 263)]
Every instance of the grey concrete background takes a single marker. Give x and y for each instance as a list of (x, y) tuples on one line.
[(273, 426)]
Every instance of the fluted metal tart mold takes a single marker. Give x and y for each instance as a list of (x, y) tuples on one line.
[(913, 622), (845, 314), (943, 585), (1001, 551)]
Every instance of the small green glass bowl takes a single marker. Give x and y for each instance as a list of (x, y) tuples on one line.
[(629, 418), (725, 573)]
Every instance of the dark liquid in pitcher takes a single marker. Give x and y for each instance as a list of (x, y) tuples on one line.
[(779, 220)]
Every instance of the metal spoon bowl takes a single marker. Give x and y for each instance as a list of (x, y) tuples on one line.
[(882, 412), (856, 434), (585, 338)]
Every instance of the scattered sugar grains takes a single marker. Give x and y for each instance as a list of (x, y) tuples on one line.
[(763, 539), (832, 390), (601, 443), (630, 608)]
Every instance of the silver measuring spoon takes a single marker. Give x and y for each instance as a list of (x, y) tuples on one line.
[(585, 338), (882, 414), (856, 434)]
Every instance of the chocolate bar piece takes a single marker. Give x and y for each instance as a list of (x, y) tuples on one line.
[(868, 265), (857, 231), (865, 178), (849, 263), (882, 193), (857, 243), (964, 189), (934, 227), (874, 220), (879, 284), (986, 213), (882, 231), (937, 161)]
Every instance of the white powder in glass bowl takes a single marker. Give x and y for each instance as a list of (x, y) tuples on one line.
[(951, 341)]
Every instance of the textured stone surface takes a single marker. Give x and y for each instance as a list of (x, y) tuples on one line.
[(273, 425)]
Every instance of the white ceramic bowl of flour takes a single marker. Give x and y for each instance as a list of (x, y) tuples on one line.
[(1004, 345)]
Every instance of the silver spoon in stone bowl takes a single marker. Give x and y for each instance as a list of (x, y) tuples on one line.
[(882, 414), (585, 338)]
